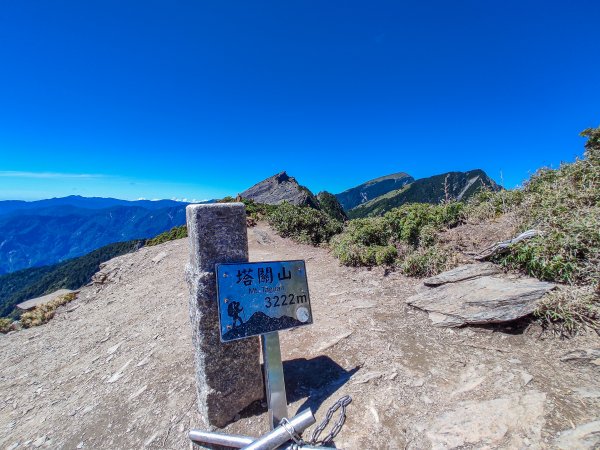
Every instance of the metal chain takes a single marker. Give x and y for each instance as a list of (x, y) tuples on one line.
[(341, 403), (287, 426)]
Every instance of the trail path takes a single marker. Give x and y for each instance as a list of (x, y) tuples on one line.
[(114, 369)]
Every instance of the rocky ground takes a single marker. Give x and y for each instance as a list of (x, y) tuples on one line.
[(114, 369)]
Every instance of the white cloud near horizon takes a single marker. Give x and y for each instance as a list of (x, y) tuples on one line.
[(55, 175)]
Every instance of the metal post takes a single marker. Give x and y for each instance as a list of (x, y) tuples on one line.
[(238, 441), (280, 435), (275, 384), (226, 440)]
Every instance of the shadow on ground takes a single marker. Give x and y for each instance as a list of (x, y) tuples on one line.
[(524, 325), (314, 379)]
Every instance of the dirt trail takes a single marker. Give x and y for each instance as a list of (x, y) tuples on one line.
[(114, 369)]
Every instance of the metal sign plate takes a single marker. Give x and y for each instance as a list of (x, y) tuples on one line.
[(262, 297)]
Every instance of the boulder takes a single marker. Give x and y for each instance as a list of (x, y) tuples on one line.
[(477, 294)]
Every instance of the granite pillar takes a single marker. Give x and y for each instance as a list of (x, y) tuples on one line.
[(228, 376)]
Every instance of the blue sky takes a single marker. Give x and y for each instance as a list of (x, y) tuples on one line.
[(188, 99)]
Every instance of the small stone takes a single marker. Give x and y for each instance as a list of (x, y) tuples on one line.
[(13, 446), (526, 377), (114, 348), (39, 441), (417, 383), (158, 258), (80, 445)]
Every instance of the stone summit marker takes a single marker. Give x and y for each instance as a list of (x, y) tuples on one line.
[(231, 301), (228, 375)]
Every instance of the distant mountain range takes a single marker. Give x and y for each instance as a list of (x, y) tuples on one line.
[(34, 234), (372, 189), (446, 186), (8, 206)]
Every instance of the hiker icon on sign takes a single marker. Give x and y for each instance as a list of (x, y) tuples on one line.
[(233, 310)]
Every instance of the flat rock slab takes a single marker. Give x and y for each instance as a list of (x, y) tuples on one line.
[(462, 273), (511, 422), (477, 294)]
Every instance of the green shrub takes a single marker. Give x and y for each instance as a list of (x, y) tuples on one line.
[(385, 255), (364, 242), (487, 204), (375, 240), (428, 235), (44, 312), (351, 253), (426, 262), (303, 224), (6, 325), (331, 206), (405, 223), (369, 231), (565, 205), (174, 233), (255, 211), (568, 309)]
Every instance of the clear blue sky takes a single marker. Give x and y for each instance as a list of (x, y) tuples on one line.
[(198, 99)]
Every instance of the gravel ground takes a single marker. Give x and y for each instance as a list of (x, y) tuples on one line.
[(114, 368)]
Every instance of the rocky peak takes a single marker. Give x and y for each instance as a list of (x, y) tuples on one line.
[(279, 188)]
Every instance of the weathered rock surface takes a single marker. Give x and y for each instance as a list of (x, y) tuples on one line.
[(462, 273), (32, 303), (589, 355), (477, 294), (511, 422), (278, 189), (583, 437)]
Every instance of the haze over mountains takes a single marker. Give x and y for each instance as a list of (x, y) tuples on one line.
[(34, 234), (8, 206), (39, 233)]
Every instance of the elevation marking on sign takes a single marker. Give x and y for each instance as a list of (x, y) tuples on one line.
[(262, 297)]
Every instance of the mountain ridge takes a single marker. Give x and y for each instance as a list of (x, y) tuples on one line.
[(350, 198), (435, 189), (10, 206), (281, 188)]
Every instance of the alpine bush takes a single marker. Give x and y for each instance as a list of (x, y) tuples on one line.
[(564, 204), (303, 224)]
